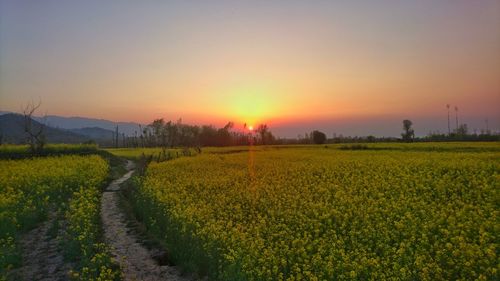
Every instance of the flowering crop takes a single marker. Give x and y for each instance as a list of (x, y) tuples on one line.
[(22, 151), (324, 214), (30, 188), (136, 153)]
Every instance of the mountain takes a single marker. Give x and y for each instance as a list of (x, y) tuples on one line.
[(99, 135), (12, 131), (129, 128)]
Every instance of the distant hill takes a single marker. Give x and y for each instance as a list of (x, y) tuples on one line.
[(99, 135), (12, 131), (129, 128)]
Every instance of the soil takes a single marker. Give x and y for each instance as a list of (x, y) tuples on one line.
[(43, 258), (135, 260)]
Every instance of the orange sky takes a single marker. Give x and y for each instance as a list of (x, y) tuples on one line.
[(276, 62)]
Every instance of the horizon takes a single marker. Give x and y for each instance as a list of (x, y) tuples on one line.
[(355, 68), (353, 128)]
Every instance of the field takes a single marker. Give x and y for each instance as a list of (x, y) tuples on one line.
[(62, 188), (22, 151), (377, 211), (387, 211), (154, 152)]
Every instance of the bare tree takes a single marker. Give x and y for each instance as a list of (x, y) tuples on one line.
[(35, 134)]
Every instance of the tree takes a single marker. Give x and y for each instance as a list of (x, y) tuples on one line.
[(448, 107), (266, 137), (262, 131), (116, 136), (159, 132), (318, 137), (172, 131), (35, 136), (462, 130), (408, 134), (224, 137)]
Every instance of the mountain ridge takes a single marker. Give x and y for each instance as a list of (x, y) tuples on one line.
[(12, 131), (77, 122)]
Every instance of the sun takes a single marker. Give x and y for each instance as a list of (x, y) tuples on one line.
[(249, 102), (250, 128)]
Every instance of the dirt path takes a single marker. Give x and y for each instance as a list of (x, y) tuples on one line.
[(42, 256), (135, 260)]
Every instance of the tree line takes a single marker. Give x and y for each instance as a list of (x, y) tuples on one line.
[(161, 133)]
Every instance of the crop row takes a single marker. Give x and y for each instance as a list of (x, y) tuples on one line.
[(30, 189), (318, 214)]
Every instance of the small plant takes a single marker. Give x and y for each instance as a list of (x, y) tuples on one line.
[(354, 147)]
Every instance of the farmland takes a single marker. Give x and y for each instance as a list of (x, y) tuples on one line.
[(67, 186), (422, 211)]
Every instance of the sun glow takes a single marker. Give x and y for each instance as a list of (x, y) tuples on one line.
[(251, 103)]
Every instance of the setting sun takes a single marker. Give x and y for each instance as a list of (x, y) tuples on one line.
[(252, 102), (250, 140)]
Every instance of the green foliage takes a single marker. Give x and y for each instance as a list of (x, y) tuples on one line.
[(425, 146), (23, 151), (137, 153), (356, 146), (316, 214)]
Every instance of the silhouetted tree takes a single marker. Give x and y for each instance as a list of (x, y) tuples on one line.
[(262, 131), (35, 136), (371, 138), (462, 130), (171, 133), (116, 136), (408, 134), (266, 137), (448, 107), (159, 132), (318, 137)]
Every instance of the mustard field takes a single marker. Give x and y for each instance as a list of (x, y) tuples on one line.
[(402, 212), (68, 186)]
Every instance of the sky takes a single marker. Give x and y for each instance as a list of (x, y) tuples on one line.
[(344, 67)]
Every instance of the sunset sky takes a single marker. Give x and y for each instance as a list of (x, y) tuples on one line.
[(351, 67)]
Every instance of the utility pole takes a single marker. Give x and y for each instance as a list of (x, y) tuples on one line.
[(448, 107), (487, 127), (116, 137), (456, 116)]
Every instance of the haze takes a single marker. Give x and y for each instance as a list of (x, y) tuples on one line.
[(350, 67)]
